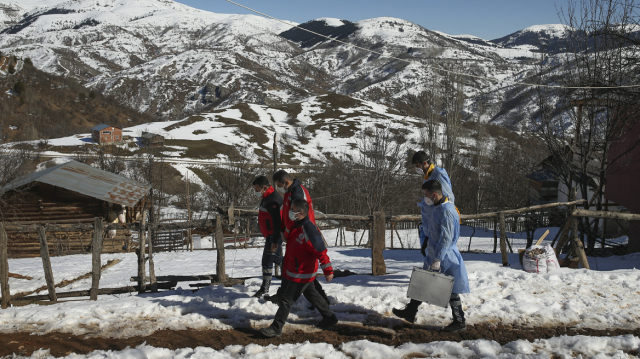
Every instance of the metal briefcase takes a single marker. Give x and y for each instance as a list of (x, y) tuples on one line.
[(430, 287)]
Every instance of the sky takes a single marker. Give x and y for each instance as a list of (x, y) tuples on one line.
[(488, 19)]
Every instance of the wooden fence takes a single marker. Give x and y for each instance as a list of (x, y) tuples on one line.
[(378, 224)]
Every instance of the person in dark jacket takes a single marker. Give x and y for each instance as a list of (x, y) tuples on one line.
[(305, 248), (269, 219), (293, 189)]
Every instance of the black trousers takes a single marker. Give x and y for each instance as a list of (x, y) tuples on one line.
[(290, 292), (270, 258)]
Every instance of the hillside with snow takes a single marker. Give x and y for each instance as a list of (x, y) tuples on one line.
[(171, 60), (318, 129)]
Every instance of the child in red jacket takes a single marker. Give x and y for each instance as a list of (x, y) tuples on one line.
[(305, 248)]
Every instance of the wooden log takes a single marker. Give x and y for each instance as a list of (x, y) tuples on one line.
[(96, 251), (607, 215), (220, 264), (182, 278), (564, 236), (4, 269), (577, 244), (378, 244), (519, 210), (46, 264), (81, 293), (33, 228), (142, 271), (503, 240)]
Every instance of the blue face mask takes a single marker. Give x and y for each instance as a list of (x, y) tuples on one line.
[(428, 201)]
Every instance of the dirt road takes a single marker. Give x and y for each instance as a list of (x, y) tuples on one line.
[(63, 344)]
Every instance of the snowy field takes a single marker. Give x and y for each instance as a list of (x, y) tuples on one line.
[(606, 298), (561, 347)]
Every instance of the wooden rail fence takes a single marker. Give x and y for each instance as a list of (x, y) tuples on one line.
[(377, 222)]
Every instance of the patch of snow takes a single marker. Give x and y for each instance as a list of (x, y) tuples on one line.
[(556, 30), (562, 347), (331, 21)]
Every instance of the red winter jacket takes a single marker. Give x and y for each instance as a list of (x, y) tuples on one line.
[(269, 216), (305, 248), (295, 191)]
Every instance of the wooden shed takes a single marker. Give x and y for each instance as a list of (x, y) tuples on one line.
[(70, 193), (152, 140), (105, 134)]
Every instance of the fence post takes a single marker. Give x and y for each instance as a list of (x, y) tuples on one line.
[(4, 269), (96, 247), (46, 264), (495, 235), (142, 238), (577, 244), (220, 264), (153, 284), (503, 241), (378, 244)]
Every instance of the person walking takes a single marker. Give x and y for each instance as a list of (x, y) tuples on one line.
[(269, 220), (425, 167), (293, 189), (305, 248), (442, 255)]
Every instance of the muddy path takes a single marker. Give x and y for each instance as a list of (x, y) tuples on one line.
[(64, 344)]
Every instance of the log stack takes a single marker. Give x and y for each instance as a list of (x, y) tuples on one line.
[(30, 209)]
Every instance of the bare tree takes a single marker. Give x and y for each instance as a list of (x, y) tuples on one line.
[(452, 94), (379, 174), (230, 183), (579, 129)]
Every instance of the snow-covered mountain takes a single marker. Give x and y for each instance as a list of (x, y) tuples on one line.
[(171, 60), (551, 38)]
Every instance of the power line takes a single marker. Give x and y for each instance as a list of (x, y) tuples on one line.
[(427, 66)]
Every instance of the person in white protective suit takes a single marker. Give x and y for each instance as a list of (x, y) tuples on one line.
[(442, 255), (423, 165)]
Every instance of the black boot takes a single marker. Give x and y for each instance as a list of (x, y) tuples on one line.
[(327, 322), (458, 323), (409, 312), (274, 298), (264, 288)]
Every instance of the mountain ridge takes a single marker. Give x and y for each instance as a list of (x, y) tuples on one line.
[(169, 60)]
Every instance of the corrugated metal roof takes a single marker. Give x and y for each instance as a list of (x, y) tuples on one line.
[(100, 127), (93, 182)]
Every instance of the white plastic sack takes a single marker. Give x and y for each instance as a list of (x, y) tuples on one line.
[(540, 259)]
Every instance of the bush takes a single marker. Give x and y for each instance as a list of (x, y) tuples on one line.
[(92, 95), (28, 61), (12, 69), (82, 96), (19, 87)]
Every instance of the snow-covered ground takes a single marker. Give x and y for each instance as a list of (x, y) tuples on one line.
[(560, 347), (604, 298)]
